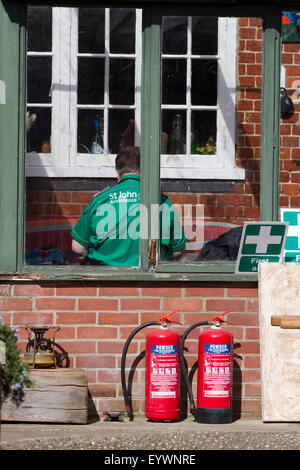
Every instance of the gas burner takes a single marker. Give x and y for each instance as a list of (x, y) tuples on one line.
[(40, 351)]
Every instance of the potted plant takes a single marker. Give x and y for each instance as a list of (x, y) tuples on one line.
[(15, 373)]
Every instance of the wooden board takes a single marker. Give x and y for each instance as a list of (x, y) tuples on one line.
[(279, 295), (58, 396)]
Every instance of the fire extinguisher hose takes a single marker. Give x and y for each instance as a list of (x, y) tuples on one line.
[(182, 361), (123, 362)]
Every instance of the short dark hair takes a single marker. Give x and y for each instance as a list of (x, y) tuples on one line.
[(128, 160)]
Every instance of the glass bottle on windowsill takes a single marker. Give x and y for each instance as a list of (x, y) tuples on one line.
[(177, 137), (97, 144)]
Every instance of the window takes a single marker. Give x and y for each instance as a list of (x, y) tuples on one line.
[(91, 82), (13, 119), (89, 65)]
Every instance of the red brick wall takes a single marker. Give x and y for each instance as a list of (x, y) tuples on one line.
[(95, 320)]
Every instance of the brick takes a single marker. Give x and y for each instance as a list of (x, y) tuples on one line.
[(98, 304), (222, 305), (204, 291), (253, 46), (242, 292), (161, 291), (79, 347), (253, 390), (55, 304), (140, 304), (252, 362), (108, 376), (5, 290), (33, 290), (119, 291), (75, 318), (13, 303), (116, 347), (184, 305), (62, 196), (32, 318), (90, 332), (120, 318), (76, 291)]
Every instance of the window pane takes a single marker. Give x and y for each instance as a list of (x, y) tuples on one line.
[(174, 35), (39, 79), (90, 131), (91, 30), (174, 81), (121, 81), (122, 31), (90, 80), (39, 24), (205, 35), (39, 130), (121, 128), (210, 152), (203, 132), (174, 131), (204, 82)]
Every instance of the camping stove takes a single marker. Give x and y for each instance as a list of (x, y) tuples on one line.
[(40, 351)]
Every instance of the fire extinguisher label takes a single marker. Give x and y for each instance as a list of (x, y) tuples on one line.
[(217, 370), (164, 373)]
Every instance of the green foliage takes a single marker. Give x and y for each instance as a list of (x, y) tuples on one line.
[(15, 375)]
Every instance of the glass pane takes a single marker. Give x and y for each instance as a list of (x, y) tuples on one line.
[(91, 30), (121, 129), (121, 81), (205, 35), (39, 79), (39, 27), (174, 81), (211, 143), (90, 80), (38, 127), (90, 131), (203, 132), (174, 35), (122, 31), (204, 82), (174, 131)]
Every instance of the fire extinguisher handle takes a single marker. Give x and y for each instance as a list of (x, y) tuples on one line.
[(182, 361), (123, 362)]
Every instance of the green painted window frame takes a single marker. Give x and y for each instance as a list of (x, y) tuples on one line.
[(12, 124)]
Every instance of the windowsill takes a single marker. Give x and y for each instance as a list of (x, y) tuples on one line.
[(109, 172), (77, 273)]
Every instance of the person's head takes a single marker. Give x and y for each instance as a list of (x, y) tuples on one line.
[(128, 161)]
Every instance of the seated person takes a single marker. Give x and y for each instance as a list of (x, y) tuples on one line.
[(108, 231)]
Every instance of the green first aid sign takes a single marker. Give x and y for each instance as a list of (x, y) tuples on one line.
[(292, 244), (260, 242)]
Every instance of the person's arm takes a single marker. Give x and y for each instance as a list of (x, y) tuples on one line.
[(79, 249)]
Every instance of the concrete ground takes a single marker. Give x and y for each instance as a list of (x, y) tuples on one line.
[(141, 434)]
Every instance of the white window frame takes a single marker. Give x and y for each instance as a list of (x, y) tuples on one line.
[(64, 161)]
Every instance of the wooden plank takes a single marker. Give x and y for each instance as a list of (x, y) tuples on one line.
[(58, 395), (279, 291)]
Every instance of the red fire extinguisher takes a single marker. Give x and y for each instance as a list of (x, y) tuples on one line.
[(162, 372), (214, 384)]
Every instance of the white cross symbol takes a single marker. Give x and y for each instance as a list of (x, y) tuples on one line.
[(263, 239)]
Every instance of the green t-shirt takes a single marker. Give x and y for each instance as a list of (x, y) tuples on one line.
[(110, 225)]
